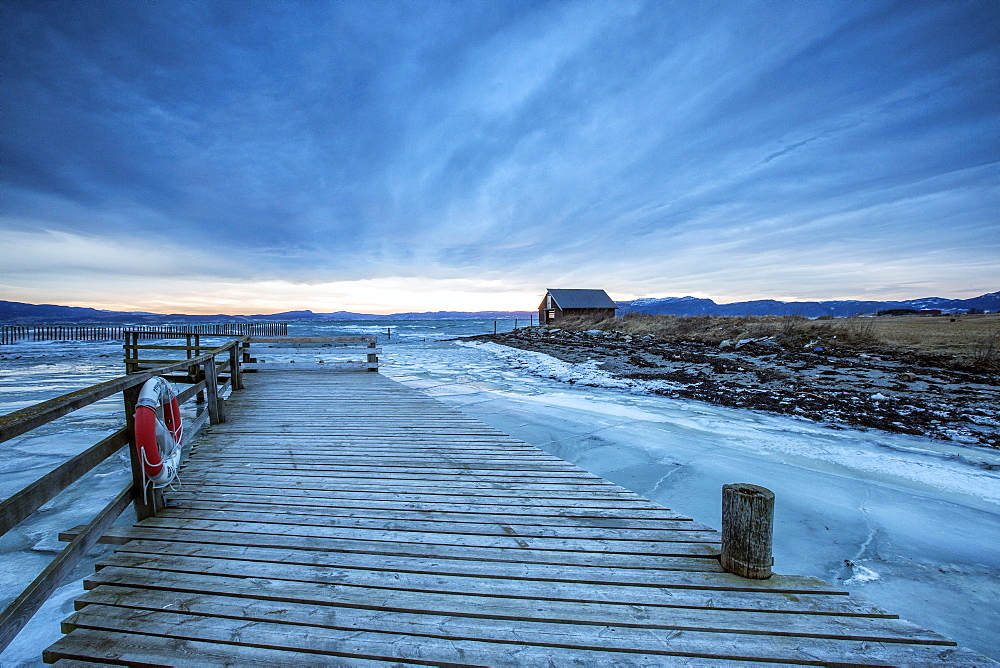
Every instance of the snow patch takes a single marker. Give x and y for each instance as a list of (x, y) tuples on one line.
[(861, 575)]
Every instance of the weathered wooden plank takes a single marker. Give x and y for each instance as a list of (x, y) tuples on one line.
[(452, 515), (511, 541), (255, 340), (575, 504), (562, 582), (425, 473), (146, 650), (309, 366), (395, 524), (263, 479), (363, 460), (442, 472), (137, 649), (398, 475), (323, 348), (497, 610), (484, 641), (251, 483), (626, 592), (122, 535), (536, 513), (318, 445)]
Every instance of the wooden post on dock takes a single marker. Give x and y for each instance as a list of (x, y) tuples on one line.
[(372, 356), (216, 409), (198, 376), (235, 374), (747, 530)]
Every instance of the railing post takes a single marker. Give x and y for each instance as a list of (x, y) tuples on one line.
[(216, 410), (235, 372), (372, 357), (747, 530), (146, 501), (198, 376), (129, 353)]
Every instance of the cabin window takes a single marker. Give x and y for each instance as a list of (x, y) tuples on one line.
[(548, 301)]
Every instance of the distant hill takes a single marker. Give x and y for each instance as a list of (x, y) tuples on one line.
[(695, 306), (20, 313)]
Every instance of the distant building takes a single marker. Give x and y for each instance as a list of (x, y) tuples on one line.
[(898, 311), (587, 304)]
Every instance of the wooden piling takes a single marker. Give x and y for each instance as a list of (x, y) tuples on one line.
[(747, 530)]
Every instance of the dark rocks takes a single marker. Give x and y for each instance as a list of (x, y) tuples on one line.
[(876, 390)]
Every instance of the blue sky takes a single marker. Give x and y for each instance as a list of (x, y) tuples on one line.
[(395, 156)]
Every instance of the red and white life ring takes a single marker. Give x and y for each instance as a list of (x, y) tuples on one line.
[(158, 431)]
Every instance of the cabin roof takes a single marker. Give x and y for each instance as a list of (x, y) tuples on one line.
[(582, 299)]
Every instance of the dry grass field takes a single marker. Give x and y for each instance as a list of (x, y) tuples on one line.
[(970, 340), (965, 335)]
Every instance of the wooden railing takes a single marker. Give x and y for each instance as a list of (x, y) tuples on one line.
[(316, 353), (202, 371)]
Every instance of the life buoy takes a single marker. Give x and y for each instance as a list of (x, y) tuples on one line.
[(158, 431)]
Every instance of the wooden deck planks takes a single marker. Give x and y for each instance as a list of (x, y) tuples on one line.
[(344, 519)]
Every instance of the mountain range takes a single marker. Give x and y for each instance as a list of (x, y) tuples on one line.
[(839, 309), (13, 313), (20, 313)]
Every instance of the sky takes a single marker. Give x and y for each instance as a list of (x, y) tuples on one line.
[(255, 157)]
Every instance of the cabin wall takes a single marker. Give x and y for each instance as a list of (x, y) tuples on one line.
[(548, 316), (592, 314)]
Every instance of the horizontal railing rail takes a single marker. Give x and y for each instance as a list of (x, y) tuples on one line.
[(319, 353), (207, 384)]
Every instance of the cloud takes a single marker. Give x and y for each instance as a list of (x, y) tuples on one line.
[(639, 147)]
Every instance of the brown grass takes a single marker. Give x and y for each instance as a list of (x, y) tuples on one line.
[(974, 339)]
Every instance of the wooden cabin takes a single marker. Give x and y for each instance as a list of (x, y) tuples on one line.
[(580, 304)]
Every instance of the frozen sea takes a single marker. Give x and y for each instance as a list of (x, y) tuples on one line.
[(911, 523)]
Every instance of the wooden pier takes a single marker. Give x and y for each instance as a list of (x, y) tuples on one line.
[(345, 519)]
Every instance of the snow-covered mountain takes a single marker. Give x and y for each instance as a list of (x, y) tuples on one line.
[(695, 306)]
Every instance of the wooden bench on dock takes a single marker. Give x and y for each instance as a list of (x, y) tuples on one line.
[(346, 519)]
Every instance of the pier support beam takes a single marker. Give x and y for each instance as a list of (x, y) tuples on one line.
[(747, 530)]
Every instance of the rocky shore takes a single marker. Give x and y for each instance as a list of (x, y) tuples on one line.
[(877, 389)]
